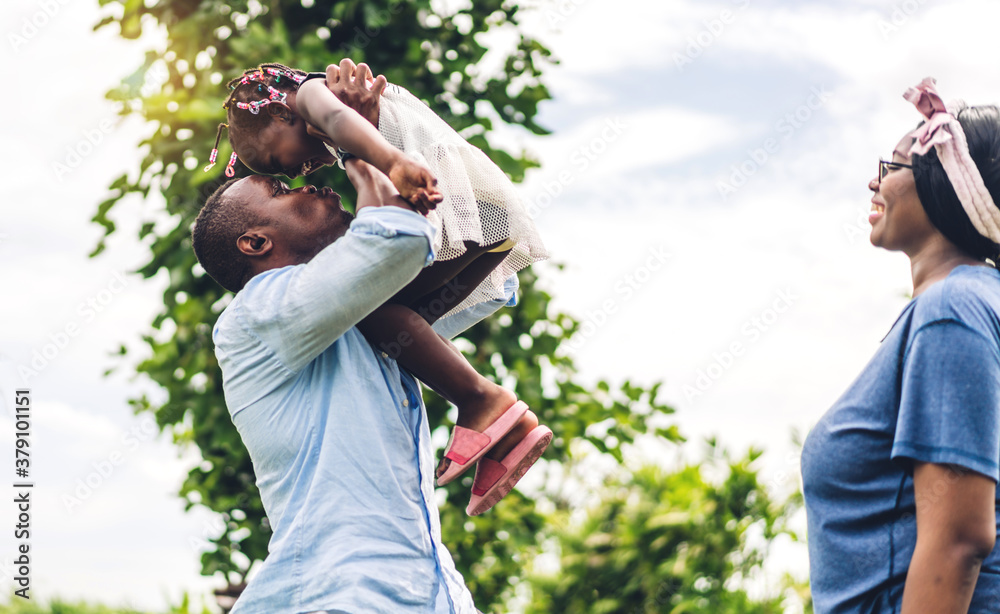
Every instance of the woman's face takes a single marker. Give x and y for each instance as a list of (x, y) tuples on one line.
[(898, 220)]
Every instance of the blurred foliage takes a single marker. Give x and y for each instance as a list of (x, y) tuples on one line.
[(672, 542), (17, 605), (441, 58)]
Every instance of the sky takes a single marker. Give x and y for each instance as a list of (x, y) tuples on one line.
[(705, 187)]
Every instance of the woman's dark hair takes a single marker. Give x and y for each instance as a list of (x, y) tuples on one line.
[(243, 124), (982, 131)]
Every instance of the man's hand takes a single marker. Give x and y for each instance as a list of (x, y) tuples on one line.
[(356, 87)]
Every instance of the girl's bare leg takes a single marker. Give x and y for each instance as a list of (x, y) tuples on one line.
[(404, 335), (440, 301), (404, 332), (439, 275)]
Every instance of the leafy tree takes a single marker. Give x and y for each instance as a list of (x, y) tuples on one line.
[(670, 542), (179, 91), (440, 57)]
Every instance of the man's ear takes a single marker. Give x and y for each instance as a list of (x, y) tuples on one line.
[(280, 111), (254, 243)]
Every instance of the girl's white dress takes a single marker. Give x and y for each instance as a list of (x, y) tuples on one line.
[(480, 203)]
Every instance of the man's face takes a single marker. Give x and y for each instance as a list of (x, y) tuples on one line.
[(302, 221)]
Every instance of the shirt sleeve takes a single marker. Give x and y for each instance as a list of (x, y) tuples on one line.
[(300, 311), (949, 410), (455, 324)]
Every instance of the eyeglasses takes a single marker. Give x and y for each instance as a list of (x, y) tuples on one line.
[(884, 166)]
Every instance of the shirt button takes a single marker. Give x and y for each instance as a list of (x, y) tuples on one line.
[(384, 355), (406, 403)]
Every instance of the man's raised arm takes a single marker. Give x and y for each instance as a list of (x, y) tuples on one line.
[(385, 248)]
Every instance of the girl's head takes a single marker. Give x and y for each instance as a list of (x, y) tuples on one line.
[(943, 180), (265, 130)]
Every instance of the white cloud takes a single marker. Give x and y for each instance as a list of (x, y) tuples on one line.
[(601, 36), (600, 149)]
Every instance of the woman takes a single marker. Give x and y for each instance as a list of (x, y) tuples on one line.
[(900, 474)]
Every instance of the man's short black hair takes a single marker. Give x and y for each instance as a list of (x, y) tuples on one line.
[(220, 223)]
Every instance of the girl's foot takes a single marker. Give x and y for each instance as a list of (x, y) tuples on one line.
[(525, 425), (479, 416), (496, 478)]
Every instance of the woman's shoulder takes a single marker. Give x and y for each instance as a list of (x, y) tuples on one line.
[(969, 295)]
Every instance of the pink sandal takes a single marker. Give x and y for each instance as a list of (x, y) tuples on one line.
[(467, 446), (494, 480)]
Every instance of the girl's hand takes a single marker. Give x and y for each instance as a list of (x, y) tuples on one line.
[(374, 188), (415, 183)]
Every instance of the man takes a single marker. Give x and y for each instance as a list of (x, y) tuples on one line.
[(337, 432)]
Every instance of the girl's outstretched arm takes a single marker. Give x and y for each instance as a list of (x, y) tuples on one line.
[(322, 110)]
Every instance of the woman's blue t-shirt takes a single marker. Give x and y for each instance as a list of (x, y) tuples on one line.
[(931, 394)]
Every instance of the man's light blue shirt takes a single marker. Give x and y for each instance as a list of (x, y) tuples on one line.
[(337, 432)]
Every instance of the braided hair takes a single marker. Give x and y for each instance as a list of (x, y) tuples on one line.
[(254, 89)]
